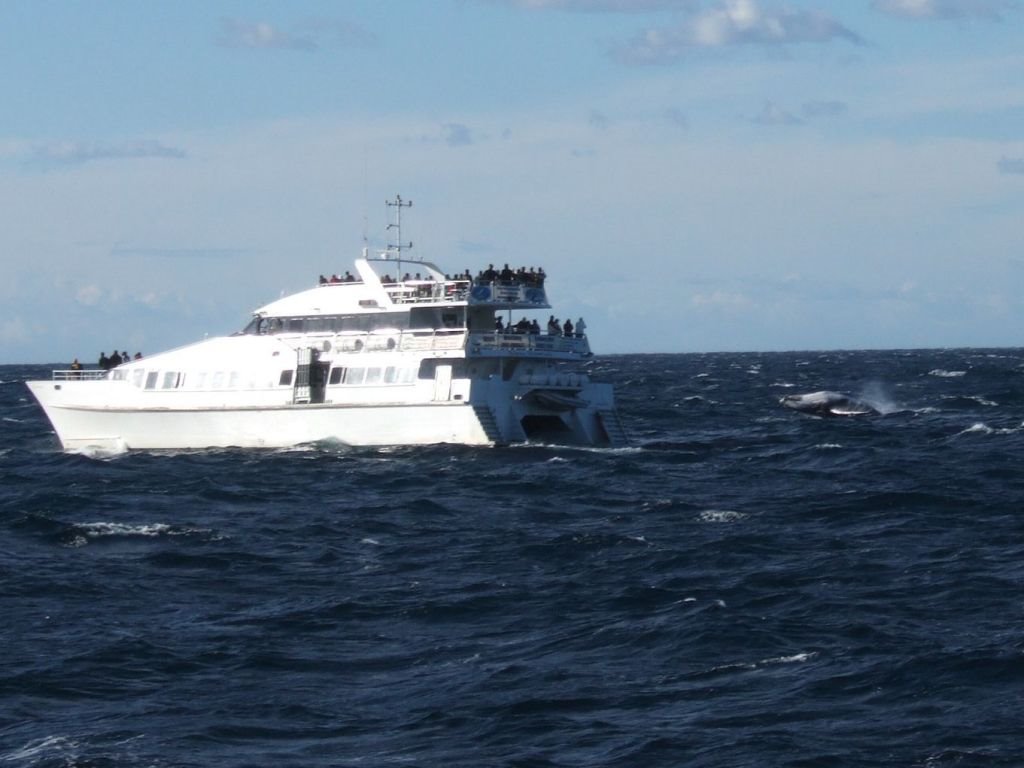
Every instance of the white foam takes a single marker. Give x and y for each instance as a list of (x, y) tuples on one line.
[(828, 446), (96, 530), (51, 745), (944, 374), (721, 516), (978, 428)]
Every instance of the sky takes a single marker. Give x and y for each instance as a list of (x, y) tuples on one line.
[(693, 175)]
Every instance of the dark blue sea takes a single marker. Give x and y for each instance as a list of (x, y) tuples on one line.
[(744, 585)]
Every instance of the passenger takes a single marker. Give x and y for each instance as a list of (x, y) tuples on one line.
[(104, 362), (554, 329), (348, 277), (125, 357), (114, 360), (335, 279), (490, 274), (138, 355), (535, 327), (567, 328), (507, 274), (499, 326), (523, 326), (540, 276), (76, 369), (323, 280), (581, 328)]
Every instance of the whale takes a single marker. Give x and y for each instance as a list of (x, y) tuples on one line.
[(827, 403)]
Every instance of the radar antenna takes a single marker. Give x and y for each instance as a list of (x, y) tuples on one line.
[(396, 248)]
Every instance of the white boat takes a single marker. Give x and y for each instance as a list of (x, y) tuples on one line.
[(370, 359)]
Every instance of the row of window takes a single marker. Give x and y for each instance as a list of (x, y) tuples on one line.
[(232, 379), (373, 375)]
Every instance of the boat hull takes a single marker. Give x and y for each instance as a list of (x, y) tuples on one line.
[(83, 424)]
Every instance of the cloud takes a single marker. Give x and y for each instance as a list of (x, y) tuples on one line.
[(734, 22), (308, 36), (89, 295), (813, 109), (721, 300), (600, 6), (1013, 166), (236, 33), (457, 135), (945, 9), (773, 114), (72, 152)]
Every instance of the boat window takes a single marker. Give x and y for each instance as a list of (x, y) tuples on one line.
[(336, 374), (137, 375), (151, 379), (170, 379), (253, 327), (286, 378), (406, 375), (390, 375), (373, 375), (354, 375), (296, 324), (233, 381), (218, 380), (427, 367), (201, 380)]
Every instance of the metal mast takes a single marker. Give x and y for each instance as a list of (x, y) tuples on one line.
[(398, 204)]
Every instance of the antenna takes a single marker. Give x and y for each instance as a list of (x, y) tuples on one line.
[(398, 204)]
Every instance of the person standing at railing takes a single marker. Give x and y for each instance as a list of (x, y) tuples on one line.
[(567, 328), (581, 328), (76, 369)]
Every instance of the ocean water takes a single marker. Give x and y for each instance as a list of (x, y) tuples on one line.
[(743, 585)]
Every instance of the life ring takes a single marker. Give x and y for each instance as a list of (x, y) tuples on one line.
[(481, 293)]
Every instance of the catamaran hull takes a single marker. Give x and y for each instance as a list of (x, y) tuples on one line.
[(93, 427)]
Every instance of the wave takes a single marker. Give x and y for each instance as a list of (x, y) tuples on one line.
[(944, 374)]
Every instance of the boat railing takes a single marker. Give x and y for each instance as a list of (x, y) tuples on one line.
[(528, 343), (419, 340), (79, 375), (518, 293), (427, 291)]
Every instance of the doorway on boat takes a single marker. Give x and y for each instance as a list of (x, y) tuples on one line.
[(310, 377)]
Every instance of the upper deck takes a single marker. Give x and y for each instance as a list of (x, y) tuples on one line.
[(375, 288)]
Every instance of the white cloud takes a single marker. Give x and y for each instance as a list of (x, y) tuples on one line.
[(73, 152), (772, 114), (945, 9), (734, 22), (237, 33), (308, 36), (89, 295)]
